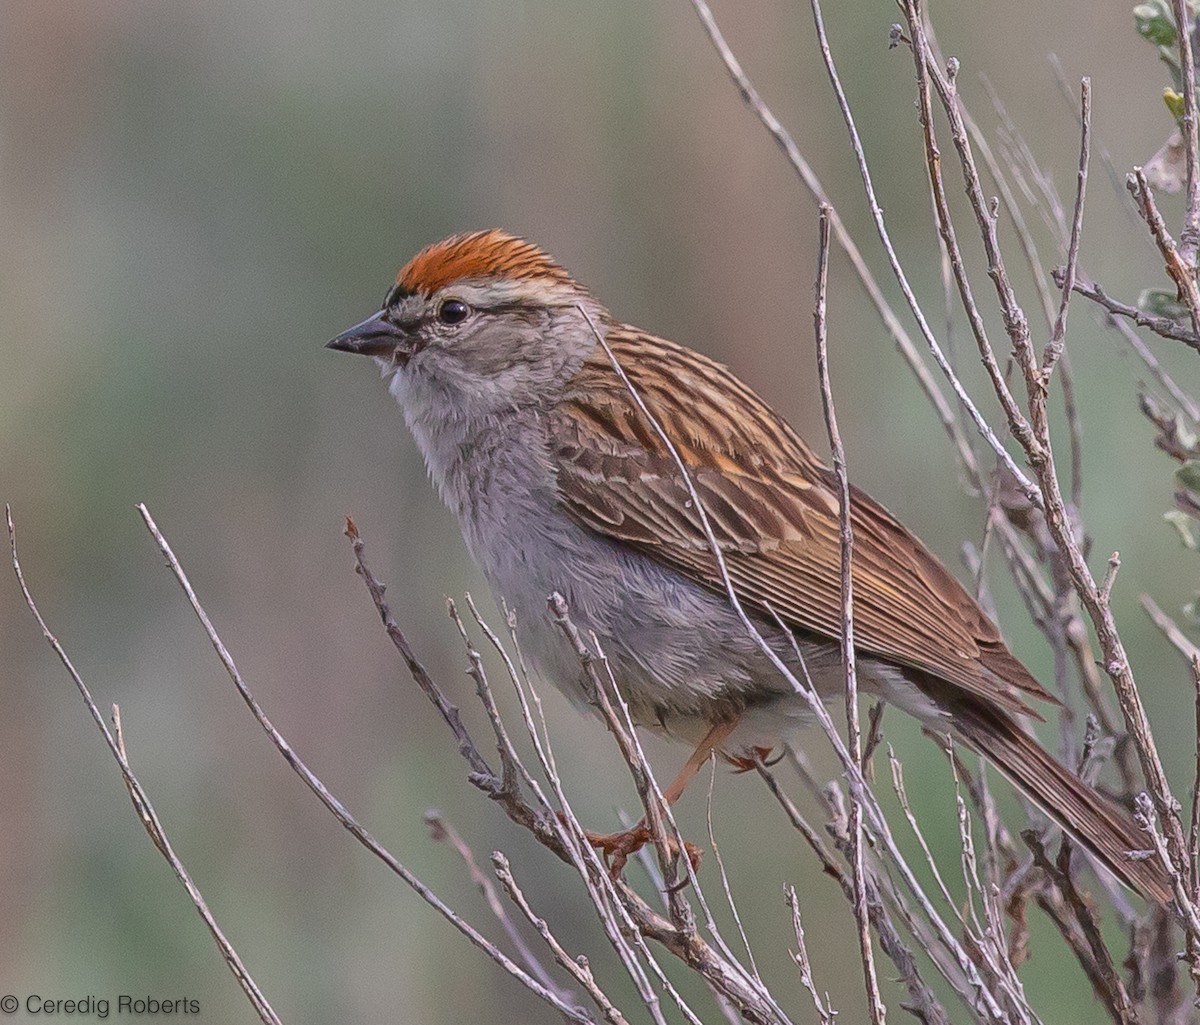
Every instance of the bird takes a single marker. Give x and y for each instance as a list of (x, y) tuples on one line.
[(562, 483)]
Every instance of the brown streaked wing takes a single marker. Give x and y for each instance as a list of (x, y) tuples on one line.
[(773, 509)]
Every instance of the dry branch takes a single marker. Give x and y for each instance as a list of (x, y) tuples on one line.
[(141, 802)]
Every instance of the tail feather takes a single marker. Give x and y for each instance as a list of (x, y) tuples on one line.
[(1099, 824)]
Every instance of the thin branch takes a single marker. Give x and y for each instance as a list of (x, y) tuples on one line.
[(443, 832), (988, 933), (924, 1003), (1066, 379), (1189, 912), (1106, 982), (945, 226), (431, 690), (578, 967), (724, 971), (725, 887), (1110, 577), (623, 916), (1189, 237), (1115, 178), (335, 807), (1032, 260), (908, 350), (984, 997), (1181, 273), (1194, 824), (626, 918), (1021, 229), (1041, 458), (1054, 348), (853, 729), (825, 1012), (1164, 327), (1182, 400), (901, 792), (1170, 629), (141, 801), (1023, 482)]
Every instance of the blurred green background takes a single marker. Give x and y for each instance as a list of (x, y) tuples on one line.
[(195, 196)]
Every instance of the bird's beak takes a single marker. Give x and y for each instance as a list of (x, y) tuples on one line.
[(375, 336)]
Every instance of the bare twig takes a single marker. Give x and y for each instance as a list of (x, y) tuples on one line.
[(1194, 825), (924, 1002), (1028, 247), (1110, 577), (1190, 651), (1054, 347), (945, 225), (825, 1013), (1023, 482), (446, 710), (1105, 981), (625, 918), (1164, 327), (1067, 92), (141, 801), (1189, 237), (335, 807), (908, 350), (1041, 458), (1186, 404), (854, 733), (720, 967), (987, 933), (1180, 272), (725, 887), (1170, 629), (577, 967), (1189, 912), (442, 831), (874, 738), (901, 791)]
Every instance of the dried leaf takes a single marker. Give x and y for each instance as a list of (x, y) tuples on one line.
[(1166, 171)]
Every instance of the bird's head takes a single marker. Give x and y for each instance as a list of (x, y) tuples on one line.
[(478, 323)]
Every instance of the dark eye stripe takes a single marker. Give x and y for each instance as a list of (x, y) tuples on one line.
[(394, 295)]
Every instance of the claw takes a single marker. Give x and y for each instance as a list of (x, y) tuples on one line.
[(618, 848), (744, 763)]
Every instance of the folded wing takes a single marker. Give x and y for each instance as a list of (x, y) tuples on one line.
[(773, 508)]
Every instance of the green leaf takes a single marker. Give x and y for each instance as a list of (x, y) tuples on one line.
[(1174, 102), (1154, 23), (1161, 303), (1189, 475)]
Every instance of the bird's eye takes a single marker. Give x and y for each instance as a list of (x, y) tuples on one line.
[(453, 311)]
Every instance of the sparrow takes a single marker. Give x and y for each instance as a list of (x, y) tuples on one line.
[(561, 483)]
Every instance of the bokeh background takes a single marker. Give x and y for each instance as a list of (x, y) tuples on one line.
[(195, 196)]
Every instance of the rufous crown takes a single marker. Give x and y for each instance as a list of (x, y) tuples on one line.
[(479, 255)]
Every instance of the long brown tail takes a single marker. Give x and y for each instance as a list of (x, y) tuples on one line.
[(1100, 825)]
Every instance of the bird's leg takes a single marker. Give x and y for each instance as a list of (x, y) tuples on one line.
[(617, 847)]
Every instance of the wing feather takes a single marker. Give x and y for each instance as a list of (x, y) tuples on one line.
[(773, 508)]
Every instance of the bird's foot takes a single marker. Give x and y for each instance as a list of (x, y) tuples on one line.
[(617, 848), (746, 763)]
